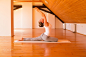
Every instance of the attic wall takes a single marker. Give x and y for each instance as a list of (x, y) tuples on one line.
[(69, 11), (23, 16)]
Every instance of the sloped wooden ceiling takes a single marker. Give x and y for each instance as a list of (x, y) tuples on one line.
[(69, 11)]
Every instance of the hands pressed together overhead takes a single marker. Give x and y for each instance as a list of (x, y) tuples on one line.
[(43, 15), (43, 19)]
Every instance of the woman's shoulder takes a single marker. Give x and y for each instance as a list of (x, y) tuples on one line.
[(49, 25)]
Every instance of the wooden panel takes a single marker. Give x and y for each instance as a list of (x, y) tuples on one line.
[(70, 11), (28, 0)]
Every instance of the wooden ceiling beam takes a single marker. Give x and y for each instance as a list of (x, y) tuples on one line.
[(17, 7), (40, 7)]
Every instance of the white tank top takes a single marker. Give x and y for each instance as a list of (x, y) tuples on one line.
[(47, 30)]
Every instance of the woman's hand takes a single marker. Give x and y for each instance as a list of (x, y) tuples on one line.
[(43, 15), (41, 20), (36, 8)]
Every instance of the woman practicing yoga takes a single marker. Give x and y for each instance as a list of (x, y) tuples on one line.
[(46, 35)]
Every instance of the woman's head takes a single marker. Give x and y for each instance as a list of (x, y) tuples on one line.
[(41, 22)]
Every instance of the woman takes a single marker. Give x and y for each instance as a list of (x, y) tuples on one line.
[(46, 35)]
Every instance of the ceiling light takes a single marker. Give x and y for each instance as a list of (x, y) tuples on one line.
[(46, 2), (14, 1)]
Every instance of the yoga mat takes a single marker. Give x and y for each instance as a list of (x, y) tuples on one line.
[(59, 41)]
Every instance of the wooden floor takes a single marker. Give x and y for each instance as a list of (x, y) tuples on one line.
[(77, 47)]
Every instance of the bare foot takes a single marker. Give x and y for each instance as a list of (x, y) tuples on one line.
[(21, 39)]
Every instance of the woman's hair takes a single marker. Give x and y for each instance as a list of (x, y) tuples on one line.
[(41, 24)]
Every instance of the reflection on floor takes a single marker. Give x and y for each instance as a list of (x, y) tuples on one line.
[(77, 47)]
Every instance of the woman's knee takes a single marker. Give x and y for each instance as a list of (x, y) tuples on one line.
[(44, 38)]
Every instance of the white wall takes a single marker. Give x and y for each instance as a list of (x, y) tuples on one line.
[(18, 18), (26, 14), (59, 24), (81, 28), (71, 27), (76, 27), (51, 19), (23, 17), (64, 25), (5, 17)]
